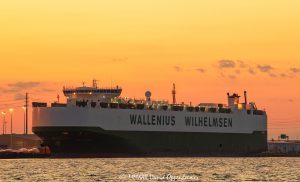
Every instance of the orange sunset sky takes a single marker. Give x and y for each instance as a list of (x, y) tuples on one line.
[(208, 48)]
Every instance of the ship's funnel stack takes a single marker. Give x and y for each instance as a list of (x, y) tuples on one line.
[(233, 100), (245, 95)]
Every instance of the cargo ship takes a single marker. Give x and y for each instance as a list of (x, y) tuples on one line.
[(97, 120)]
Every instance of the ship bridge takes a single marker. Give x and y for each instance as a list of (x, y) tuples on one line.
[(93, 93), (92, 90)]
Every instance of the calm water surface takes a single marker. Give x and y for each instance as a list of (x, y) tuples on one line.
[(151, 169)]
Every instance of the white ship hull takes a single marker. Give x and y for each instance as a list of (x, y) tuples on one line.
[(150, 132)]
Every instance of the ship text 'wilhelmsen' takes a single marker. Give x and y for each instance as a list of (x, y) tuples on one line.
[(208, 122)]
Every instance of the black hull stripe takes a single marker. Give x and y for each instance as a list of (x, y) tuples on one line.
[(150, 143)]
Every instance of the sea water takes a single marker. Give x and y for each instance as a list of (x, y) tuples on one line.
[(151, 169)]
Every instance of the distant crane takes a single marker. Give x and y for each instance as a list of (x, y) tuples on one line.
[(174, 94)]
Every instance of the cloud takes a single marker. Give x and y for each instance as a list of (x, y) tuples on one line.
[(295, 70), (286, 75), (47, 90), (177, 68), (19, 86), (222, 75), (242, 64), (10, 90), (238, 67), (23, 85), (226, 64), (118, 60), (251, 71), (19, 96), (283, 75), (273, 75), (265, 68), (201, 70), (233, 77)]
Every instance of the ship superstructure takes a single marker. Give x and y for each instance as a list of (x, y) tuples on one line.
[(99, 120)]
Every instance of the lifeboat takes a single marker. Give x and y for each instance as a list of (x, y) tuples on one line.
[(202, 109), (113, 105), (123, 105), (177, 108), (104, 104), (164, 107), (93, 104), (140, 106), (212, 109), (190, 108)]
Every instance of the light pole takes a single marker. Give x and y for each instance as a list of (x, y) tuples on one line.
[(11, 120), (3, 114), (24, 109), (11, 127)]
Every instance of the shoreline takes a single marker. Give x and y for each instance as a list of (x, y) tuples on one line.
[(74, 156)]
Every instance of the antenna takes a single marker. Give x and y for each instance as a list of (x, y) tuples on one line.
[(95, 83), (4, 122), (174, 94)]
